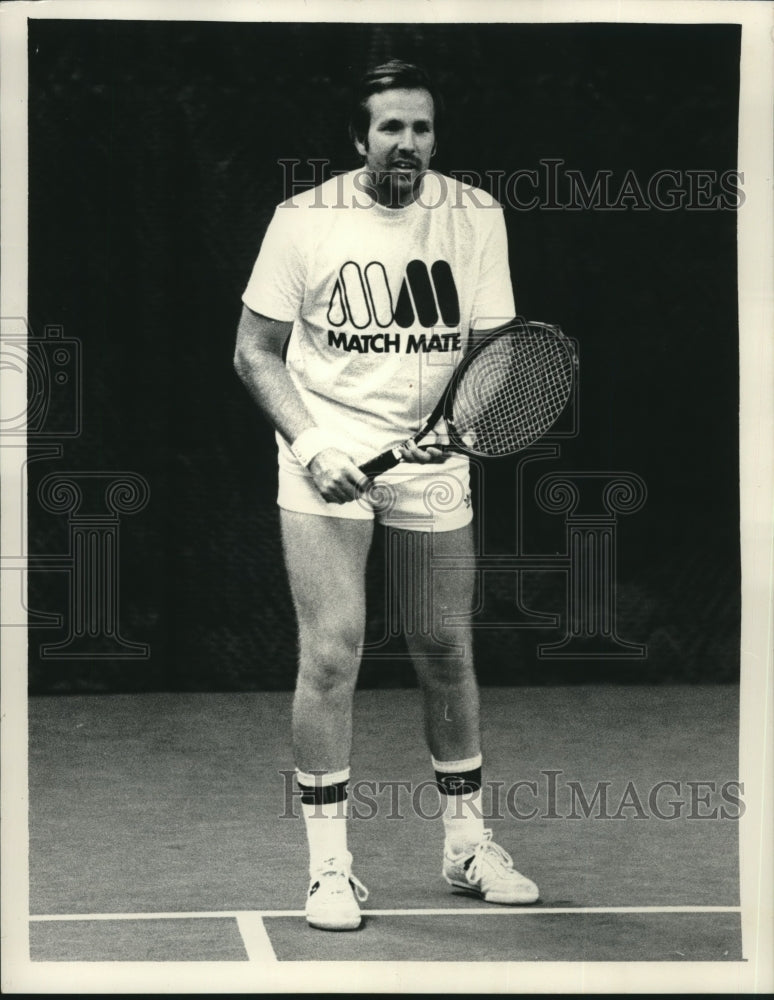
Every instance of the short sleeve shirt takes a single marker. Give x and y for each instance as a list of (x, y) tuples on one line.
[(381, 300)]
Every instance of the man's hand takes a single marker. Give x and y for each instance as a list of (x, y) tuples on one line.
[(336, 476), (411, 452)]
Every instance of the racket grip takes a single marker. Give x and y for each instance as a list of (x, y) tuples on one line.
[(376, 466)]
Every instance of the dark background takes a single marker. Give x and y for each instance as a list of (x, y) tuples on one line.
[(153, 171)]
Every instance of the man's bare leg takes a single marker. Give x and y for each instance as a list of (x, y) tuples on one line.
[(442, 652), (325, 559)]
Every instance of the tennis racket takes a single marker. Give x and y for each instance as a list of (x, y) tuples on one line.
[(505, 394)]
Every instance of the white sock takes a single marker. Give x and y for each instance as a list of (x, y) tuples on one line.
[(459, 782), (325, 815), (463, 822)]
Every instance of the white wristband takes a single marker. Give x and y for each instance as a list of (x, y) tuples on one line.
[(310, 443)]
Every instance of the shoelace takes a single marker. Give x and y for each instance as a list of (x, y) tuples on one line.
[(361, 893), (487, 851)]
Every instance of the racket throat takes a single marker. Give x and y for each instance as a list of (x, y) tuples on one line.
[(453, 435)]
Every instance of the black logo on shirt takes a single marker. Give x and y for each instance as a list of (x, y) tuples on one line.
[(363, 298)]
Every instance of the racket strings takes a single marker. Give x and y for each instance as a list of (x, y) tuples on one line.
[(513, 390)]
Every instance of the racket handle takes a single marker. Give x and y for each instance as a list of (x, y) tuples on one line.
[(389, 459), (376, 466)]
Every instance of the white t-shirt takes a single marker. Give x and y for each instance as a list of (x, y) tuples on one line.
[(381, 299)]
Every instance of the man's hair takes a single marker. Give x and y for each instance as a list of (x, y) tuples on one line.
[(391, 75)]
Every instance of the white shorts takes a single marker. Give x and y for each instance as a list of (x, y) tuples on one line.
[(434, 497)]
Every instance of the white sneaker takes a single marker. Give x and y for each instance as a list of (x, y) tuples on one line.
[(488, 871), (334, 894)]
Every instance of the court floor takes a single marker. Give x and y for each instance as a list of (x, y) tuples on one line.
[(164, 828)]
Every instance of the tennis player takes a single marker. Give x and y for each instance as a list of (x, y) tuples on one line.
[(373, 284)]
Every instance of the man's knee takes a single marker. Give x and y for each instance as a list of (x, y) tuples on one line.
[(440, 639), (447, 664), (330, 655)]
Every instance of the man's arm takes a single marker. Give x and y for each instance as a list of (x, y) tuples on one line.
[(258, 362)]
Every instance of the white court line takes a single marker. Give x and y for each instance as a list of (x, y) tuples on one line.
[(252, 915), (256, 941)]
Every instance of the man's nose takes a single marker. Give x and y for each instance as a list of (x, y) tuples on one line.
[(408, 140)]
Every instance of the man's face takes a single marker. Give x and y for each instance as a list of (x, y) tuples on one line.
[(399, 143)]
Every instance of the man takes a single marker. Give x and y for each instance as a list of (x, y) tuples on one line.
[(380, 275)]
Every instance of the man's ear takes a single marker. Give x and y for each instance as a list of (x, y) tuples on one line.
[(361, 147)]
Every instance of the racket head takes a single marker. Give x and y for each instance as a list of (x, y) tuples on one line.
[(510, 389)]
